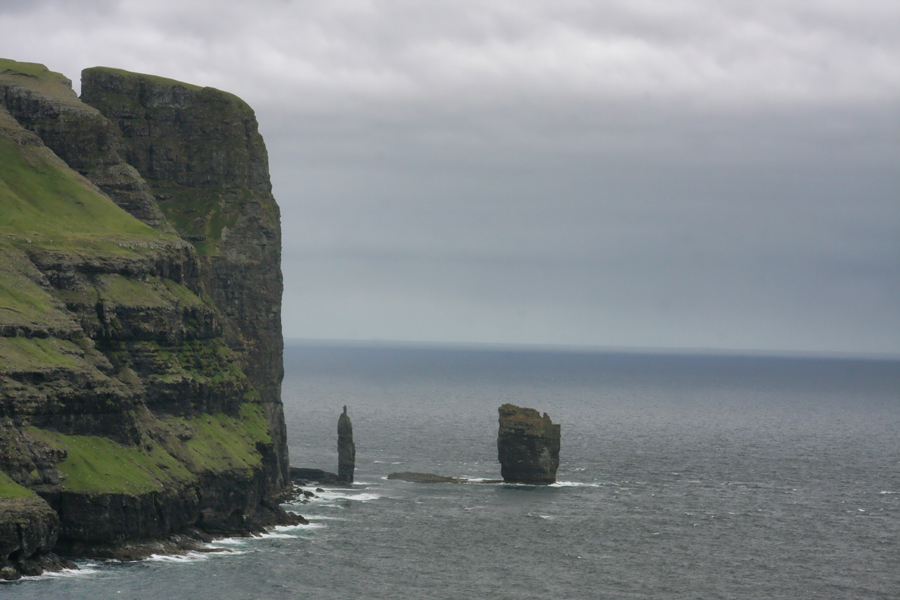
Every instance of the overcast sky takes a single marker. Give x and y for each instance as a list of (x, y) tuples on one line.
[(674, 174)]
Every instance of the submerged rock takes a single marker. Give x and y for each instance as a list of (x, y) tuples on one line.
[(302, 476), (424, 478), (346, 449), (527, 446)]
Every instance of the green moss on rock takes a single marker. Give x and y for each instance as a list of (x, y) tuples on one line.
[(175, 451), (33, 354), (98, 464), (203, 215), (225, 443)]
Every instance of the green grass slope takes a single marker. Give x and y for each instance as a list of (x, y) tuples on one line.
[(44, 202), (44, 205)]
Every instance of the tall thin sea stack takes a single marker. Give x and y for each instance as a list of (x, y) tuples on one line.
[(527, 446), (346, 449)]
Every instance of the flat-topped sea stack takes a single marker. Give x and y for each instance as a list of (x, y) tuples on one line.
[(527, 446)]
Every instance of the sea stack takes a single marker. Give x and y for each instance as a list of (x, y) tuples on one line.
[(346, 449), (527, 446)]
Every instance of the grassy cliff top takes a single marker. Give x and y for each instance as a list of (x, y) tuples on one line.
[(39, 78), (165, 82)]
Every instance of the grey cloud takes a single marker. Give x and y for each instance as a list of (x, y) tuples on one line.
[(688, 173)]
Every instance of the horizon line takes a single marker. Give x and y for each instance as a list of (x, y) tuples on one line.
[(589, 349)]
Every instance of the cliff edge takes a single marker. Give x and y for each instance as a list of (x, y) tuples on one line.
[(140, 333)]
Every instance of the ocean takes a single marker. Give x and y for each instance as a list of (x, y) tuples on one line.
[(681, 476)]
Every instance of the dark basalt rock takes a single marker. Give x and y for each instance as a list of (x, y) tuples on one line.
[(527, 446), (28, 532), (346, 449), (413, 477), (302, 476), (206, 165)]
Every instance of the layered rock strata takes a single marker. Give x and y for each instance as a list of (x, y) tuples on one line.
[(200, 151), (527, 446), (346, 449), (140, 362)]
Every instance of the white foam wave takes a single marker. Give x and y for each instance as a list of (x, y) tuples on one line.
[(180, 558), (232, 541), (85, 570), (364, 497), (886, 492), (284, 531), (361, 497), (224, 551), (282, 528), (582, 484), (538, 516)]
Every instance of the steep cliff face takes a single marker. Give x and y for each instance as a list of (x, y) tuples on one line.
[(206, 163), (136, 398)]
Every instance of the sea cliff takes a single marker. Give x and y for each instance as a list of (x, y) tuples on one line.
[(140, 324)]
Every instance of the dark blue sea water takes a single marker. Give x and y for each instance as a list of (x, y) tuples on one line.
[(681, 477)]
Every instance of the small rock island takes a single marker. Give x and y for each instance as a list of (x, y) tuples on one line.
[(527, 446)]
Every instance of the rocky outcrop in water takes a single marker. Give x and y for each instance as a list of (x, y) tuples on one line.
[(527, 446), (305, 476), (140, 344), (346, 449), (414, 477)]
